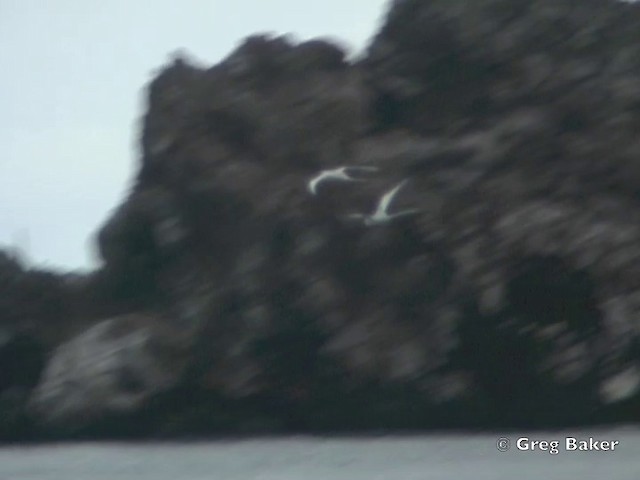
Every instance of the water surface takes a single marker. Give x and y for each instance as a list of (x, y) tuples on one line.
[(429, 457)]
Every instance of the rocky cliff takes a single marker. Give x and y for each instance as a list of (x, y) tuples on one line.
[(233, 300)]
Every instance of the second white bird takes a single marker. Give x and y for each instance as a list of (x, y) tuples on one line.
[(381, 216)]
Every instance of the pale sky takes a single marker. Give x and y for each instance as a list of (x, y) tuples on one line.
[(71, 97)]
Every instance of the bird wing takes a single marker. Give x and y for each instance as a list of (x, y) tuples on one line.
[(387, 198), (313, 183), (411, 211), (362, 168), (339, 173), (343, 175)]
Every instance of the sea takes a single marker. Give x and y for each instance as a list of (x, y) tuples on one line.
[(450, 456)]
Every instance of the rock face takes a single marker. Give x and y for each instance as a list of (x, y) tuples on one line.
[(35, 309), (511, 298), (112, 368)]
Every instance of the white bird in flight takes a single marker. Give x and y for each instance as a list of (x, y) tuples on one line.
[(380, 215), (340, 174)]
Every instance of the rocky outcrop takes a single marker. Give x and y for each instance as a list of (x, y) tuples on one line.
[(511, 299), (33, 307), (110, 369)]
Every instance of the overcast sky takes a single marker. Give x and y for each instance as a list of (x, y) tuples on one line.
[(71, 98)]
